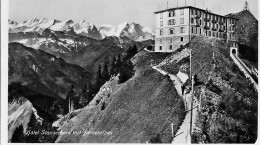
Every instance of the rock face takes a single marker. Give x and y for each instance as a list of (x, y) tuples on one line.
[(247, 31)]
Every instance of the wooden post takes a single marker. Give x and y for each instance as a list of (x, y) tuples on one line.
[(185, 103), (69, 104), (192, 82), (172, 130), (202, 93)]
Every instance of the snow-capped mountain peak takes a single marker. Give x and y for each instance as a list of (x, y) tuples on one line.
[(131, 30)]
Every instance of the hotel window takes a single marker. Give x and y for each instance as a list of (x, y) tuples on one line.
[(161, 32), (160, 47), (198, 12), (182, 11), (181, 39), (192, 31), (191, 11), (192, 20), (171, 31), (232, 21), (161, 23), (171, 22), (161, 15), (171, 13), (170, 47), (182, 20), (182, 30), (171, 40), (160, 40)]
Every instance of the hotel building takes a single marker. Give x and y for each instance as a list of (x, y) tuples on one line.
[(176, 26)]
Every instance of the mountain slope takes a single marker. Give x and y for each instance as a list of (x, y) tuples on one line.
[(229, 102), (43, 72), (133, 112)]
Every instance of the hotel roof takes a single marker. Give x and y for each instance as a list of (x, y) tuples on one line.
[(193, 8)]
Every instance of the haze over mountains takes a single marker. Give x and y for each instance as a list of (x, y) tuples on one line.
[(132, 30)]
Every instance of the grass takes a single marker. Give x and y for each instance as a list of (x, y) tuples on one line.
[(229, 106), (135, 111)]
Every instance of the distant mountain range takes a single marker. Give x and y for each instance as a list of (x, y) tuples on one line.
[(132, 30)]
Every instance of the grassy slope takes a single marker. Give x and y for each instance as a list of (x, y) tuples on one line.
[(135, 111), (229, 104)]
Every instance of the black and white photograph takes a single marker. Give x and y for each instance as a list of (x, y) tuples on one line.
[(129, 71)]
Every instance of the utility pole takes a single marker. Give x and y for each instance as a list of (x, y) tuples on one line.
[(167, 4), (190, 62), (192, 82), (177, 3), (191, 92)]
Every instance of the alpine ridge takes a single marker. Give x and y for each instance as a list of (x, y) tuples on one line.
[(132, 30)]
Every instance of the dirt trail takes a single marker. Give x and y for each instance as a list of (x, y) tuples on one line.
[(183, 134)]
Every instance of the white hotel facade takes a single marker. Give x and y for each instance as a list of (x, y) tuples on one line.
[(176, 27)]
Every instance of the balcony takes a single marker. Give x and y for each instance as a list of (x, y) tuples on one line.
[(214, 21), (221, 22), (197, 16), (196, 25), (214, 28), (206, 19), (206, 27), (222, 30), (232, 24)]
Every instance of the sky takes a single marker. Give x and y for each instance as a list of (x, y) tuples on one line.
[(115, 12)]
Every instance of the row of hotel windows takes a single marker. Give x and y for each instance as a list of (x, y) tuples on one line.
[(198, 22), (194, 30), (208, 33), (172, 13), (172, 31), (211, 16), (171, 40), (172, 22), (198, 12)]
